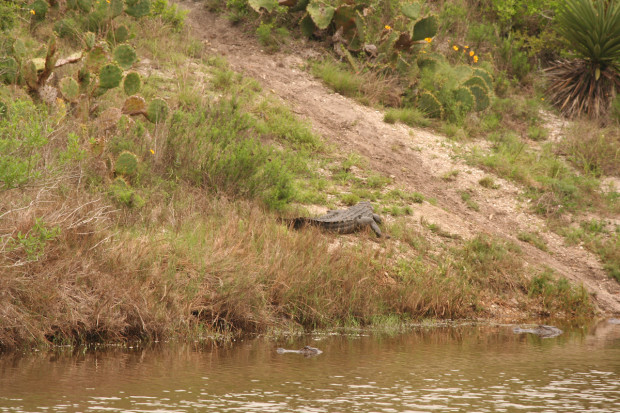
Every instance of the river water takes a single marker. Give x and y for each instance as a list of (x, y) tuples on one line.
[(449, 368)]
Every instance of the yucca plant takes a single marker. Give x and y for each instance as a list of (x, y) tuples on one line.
[(587, 84)]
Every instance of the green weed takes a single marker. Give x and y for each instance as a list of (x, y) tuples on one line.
[(408, 116), (533, 238), (558, 295)]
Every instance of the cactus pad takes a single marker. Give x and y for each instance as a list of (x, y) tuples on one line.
[(465, 98), (138, 8), (134, 105), (426, 27), (125, 56), (31, 72), (40, 8), (118, 35), (320, 13), (69, 88), (476, 81), (411, 10), (429, 104), (96, 58), (268, 5), (157, 111), (116, 8), (482, 97), (110, 76), (307, 26), (132, 83), (89, 40), (8, 70), (4, 110), (486, 76), (126, 164)]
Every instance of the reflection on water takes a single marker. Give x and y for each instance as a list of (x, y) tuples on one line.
[(471, 368)]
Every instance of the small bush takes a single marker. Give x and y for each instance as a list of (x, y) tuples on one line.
[(270, 36), (169, 13), (558, 295), (23, 134)]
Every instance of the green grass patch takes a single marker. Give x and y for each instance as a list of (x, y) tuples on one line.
[(533, 238), (408, 116), (558, 295)]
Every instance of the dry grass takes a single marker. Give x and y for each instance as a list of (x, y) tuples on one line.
[(593, 150)]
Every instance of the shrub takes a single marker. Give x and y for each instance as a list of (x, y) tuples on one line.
[(587, 83), (23, 133)]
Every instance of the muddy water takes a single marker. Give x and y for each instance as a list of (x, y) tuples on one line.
[(471, 368)]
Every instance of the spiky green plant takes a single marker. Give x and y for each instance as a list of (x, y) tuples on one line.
[(587, 83), (69, 88), (125, 56), (157, 111), (132, 83), (126, 164), (429, 104)]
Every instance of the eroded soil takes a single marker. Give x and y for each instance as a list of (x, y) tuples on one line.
[(415, 158)]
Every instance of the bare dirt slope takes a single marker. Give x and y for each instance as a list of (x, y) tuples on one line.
[(415, 158)]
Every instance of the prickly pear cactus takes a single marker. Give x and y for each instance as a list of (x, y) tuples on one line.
[(138, 8), (8, 70), (126, 164), (96, 58), (134, 105), (486, 76), (477, 81), (268, 5), (89, 40), (69, 88), (110, 76), (4, 110), (118, 35), (429, 104), (465, 98), (157, 111), (116, 8), (411, 10), (132, 83), (426, 27), (124, 55), (320, 13), (482, 97), (307, 26)]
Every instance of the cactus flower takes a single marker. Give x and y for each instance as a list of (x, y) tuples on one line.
[(387, 27), (32, 12), (455, 47), (428, 39), (471, 53), (475, 59)]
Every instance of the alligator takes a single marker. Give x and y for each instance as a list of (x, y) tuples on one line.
[(542, 331), (307, 351), (343, 221)]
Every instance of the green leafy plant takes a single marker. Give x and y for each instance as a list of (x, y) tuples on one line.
[(587, 83)]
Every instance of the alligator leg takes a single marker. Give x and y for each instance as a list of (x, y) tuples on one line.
[(369, 221)]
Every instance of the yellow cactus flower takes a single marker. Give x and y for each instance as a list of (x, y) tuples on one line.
[(455, 47), (387, 27), (32, 12), (475, 59), (466, 47), (428, 39), (471, 53)]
